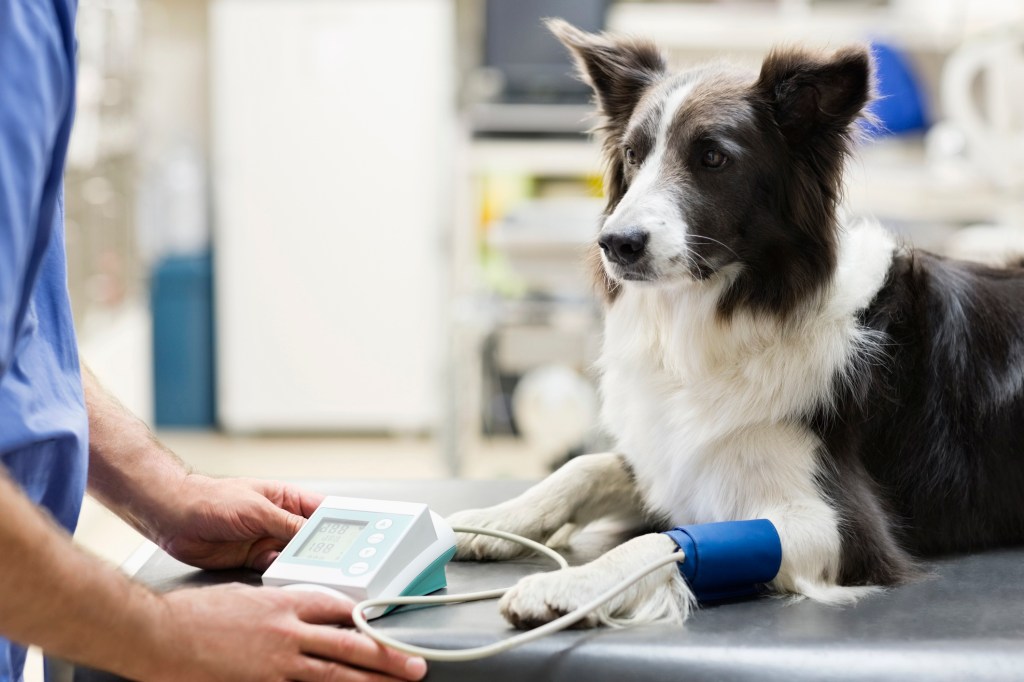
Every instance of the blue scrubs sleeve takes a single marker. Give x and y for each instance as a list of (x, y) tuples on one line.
[(35, 118), (43, 421)]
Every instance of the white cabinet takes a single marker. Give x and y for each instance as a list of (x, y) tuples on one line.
[(331, 134)]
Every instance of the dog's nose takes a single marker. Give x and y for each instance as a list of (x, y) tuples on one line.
[(624, 248)]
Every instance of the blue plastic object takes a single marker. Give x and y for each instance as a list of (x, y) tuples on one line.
[(728, 560), (183, 364), (900, 104)]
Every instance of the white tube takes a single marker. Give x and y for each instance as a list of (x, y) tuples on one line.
[(560, 623)]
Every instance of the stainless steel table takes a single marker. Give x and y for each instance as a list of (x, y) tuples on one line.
[(964, 623)]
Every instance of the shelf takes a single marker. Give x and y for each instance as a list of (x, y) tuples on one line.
[(545, 157), (532, 119), (757, 27)]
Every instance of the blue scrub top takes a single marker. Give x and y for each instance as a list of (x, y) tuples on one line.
[(43, 422)]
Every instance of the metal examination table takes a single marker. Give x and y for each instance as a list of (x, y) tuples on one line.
[(964, 623)]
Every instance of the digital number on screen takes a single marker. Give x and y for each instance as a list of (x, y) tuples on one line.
[(329, 541)]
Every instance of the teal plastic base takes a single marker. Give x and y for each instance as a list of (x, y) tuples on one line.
[(430, 580)]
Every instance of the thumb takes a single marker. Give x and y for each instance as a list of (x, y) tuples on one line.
[(280, 524)]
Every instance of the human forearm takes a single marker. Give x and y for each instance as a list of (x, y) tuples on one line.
[(56, 596), (130, 472), (209, 523), (51, 593)]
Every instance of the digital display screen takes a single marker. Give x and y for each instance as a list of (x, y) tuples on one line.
[(329, 541)]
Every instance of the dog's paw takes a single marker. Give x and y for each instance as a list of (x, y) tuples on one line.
[(541, 598), (473, 547), (661, 595)]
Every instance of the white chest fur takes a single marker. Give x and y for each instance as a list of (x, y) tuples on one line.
[(709, 413)]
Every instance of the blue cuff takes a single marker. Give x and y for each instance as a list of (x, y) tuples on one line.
[(729, 560)]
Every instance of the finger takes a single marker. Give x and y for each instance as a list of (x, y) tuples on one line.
[(319, 608), (346, 646), (261, 560), (302, 502), (316, 670), (288, 497), (259, 551)]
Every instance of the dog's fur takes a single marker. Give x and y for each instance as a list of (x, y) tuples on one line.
[(763, 360)]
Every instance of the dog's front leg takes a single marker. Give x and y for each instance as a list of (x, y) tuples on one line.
[(811, 553), (662, 595), (585, 489)]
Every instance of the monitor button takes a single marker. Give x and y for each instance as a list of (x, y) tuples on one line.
[(359, 568), (383, 524), (376, 538), (367, 552)]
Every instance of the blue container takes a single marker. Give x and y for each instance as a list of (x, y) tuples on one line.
[(900, 104), (181, 296)]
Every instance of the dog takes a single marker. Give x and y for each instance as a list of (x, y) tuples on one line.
[(765, 358)]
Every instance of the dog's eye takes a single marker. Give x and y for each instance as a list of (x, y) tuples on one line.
[(714, 159), (630, 156)]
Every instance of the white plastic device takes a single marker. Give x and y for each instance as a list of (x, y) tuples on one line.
[(367, 549)]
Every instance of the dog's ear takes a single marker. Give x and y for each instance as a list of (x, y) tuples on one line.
[(813, 93), (618, 69)]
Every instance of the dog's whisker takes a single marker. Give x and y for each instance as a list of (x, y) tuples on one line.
[(691, 262), (706, 261), (714, 241)]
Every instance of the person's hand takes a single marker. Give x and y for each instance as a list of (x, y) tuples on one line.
[(249, 634), (230, 523)]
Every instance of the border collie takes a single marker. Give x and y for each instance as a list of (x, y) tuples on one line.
[(762, 359)]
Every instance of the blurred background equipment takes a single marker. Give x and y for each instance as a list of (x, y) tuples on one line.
[(181, 298), (521, 83), (544, 243), (983, 95), (984, 133), (556, 410), (106, 278), (527, 63), (331, 155)]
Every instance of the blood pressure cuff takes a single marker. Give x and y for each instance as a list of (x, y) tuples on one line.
[(730, 560)]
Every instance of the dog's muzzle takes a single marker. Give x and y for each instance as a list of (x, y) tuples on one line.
[(624, 248)]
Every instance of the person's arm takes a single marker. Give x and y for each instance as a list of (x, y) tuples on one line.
[(50, 592), (202, 521), (227, 523), (57, 596), (129, 470)]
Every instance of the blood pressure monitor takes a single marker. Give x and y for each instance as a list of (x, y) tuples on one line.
[(379, 553), (367, 549)]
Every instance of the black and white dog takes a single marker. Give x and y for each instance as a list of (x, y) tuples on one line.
[(763, 360)]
